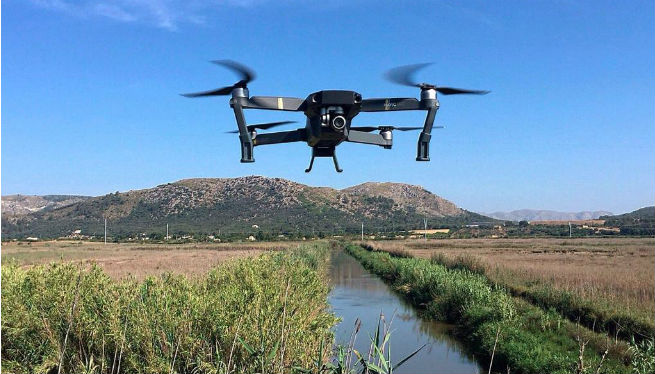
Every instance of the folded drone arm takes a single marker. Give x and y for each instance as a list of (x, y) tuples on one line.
[(362, 137), (428, 102), (298, 135)]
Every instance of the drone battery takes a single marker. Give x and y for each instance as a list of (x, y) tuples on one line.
[(335, 97)]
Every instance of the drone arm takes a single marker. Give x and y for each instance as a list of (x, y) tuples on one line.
[(367, 138), (290, 104), (390, 104), (423, 146), (280, 137), (245, 138)]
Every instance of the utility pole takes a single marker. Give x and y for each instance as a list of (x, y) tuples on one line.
[(105, 230), (362, 231), (167, 231), (570, 230), (425, 229)]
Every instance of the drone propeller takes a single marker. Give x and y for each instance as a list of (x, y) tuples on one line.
[(244, 73), (403, 75), (262, 126), (387, 128)]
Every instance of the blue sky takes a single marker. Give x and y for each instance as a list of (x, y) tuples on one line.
[(90, 100)]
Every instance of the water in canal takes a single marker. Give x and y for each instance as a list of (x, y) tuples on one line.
[(358, 294)]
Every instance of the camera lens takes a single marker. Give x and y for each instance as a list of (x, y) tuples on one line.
[(338, 122)]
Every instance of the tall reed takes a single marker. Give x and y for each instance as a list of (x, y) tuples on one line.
[(264, 314)]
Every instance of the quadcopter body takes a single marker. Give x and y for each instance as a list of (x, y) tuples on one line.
[(329, 115)]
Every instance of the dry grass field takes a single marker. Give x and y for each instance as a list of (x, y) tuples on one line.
[(136, 259), (618, 271)]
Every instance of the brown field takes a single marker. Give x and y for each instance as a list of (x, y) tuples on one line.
[(618, 271), (132, 259)]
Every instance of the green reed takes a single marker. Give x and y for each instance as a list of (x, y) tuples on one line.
[(265, 314)]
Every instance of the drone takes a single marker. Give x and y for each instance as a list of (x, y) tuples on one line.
[(330, 114)]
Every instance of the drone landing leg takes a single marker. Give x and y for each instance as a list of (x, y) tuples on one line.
[(324, 152), (336, 163), (311, 164)]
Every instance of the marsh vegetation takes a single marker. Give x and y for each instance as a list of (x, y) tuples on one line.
[(262, 314), (605, 284), (518, 335)]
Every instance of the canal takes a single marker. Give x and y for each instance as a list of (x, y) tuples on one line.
[(358, 294)]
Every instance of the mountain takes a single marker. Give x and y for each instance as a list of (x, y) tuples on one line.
[(274, 205), (19, 205), (546, 215)]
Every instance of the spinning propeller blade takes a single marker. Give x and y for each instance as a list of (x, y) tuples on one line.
[(262, 126), (404, 75), (245, 73)]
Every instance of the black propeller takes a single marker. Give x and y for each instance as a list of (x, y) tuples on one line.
[(243, 71), (383, 128), (404, 75), (262, 126)]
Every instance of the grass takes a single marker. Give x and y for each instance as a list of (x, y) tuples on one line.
[(137, 260), (529, 339), (605, 284), (261, 314)]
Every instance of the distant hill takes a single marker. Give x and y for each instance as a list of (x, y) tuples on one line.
[(638, 222), (546, 215), (647, 213), (19, 205), (274, 205)]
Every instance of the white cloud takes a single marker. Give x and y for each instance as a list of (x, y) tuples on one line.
[(166, 14)]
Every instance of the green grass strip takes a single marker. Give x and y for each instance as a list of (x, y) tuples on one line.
[(597, 314)]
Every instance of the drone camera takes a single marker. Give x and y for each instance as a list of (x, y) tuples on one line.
[(332, 116)]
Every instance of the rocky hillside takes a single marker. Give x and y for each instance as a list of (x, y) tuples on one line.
[(19, 205), (274, 205)]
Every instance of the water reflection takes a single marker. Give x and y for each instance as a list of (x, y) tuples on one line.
[(358, 294)]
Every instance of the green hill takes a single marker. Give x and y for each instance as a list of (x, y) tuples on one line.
[(242, 205), (638, 222)]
